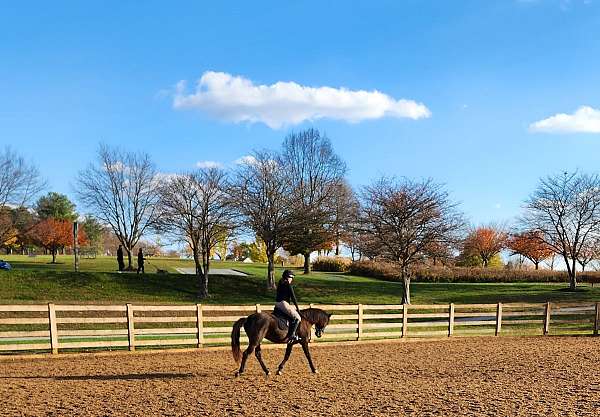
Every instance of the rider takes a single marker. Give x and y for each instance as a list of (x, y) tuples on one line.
[(285, 295)]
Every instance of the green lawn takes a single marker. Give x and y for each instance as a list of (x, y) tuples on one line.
[(35, 280)]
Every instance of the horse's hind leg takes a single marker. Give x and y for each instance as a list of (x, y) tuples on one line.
[(245, 355), (288, 352), (258, 354), (307, 353)]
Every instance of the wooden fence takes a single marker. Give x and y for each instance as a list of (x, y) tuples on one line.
[(54, 328)]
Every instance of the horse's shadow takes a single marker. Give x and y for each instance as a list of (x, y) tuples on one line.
[(122, 377)]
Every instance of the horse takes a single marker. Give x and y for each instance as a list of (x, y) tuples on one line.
[(259, 326)]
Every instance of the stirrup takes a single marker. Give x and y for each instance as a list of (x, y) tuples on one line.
[(293, 339)]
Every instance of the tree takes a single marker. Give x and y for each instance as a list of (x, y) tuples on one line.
[(257, 251), (260, 192), (20, 182), (346, 208), (196, 208), (565, 210), (405, 217), (94, 231), (53, 234), (121, 190), (57, 206), (530, 245), (485, 242), (316, 176), (589, 253)]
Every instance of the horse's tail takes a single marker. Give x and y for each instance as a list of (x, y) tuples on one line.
[(235, 340)]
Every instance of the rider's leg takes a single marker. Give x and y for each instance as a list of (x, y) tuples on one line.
[(292, 336)]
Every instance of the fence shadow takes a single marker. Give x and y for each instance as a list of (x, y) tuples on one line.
[(124, 377)]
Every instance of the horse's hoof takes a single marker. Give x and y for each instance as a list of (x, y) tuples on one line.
[(237, 374), (268, 373), (279, 372), (315, 371)]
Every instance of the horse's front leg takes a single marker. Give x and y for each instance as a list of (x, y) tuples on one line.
[(307, 353), (288, 352)]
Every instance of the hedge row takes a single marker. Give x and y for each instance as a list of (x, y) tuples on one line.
[(329, 264), (390, 272)]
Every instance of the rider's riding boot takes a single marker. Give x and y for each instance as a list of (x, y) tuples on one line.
[(291, 336)]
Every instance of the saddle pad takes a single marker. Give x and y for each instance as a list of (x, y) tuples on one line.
[(283, 320)]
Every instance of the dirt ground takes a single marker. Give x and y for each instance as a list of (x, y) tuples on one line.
[(540, 376)]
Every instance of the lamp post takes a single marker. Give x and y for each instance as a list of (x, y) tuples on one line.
[(76, 245)]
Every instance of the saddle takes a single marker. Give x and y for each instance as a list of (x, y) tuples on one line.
[(283, 320)]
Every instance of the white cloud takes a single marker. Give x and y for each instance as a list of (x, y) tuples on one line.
[(585, 120), (238, 99), (245, 160), (208, 164)]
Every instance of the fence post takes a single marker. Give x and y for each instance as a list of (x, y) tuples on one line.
[(53, 328), (498, 318), (199, 325), (258, 309), (360, 321), (130, 327), (404, 320), (597, 319), (547, 319), (451, 320)]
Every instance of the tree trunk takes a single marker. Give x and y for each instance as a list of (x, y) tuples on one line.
[(270, 269), (537, 265), (129, 267), (573, 277), (337, 248), (53, 255), (405, 288), (306, 263)]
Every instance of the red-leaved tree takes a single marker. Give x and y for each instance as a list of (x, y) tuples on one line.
[(531, 246), (53, 234), (485, 242)]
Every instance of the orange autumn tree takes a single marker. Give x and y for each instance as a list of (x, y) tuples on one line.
[(485, 242), (53, 234), (531, 246)]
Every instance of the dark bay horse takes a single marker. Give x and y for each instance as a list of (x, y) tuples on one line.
[(259, 326)]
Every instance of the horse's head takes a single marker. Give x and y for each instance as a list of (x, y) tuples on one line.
[(320, 319)]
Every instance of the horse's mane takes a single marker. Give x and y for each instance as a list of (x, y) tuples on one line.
[(315, 316)]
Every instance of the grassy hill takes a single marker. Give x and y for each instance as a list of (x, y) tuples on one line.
[(35, 280)]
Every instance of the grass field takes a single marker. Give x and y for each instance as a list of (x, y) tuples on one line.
[(36, 280)]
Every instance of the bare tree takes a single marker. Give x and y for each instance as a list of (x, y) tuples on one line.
[(121, 190), (405, 218), (196, 208), (589, 252), (316, 174), (565, 210), (261, 194), (346, 208), (20, 182)]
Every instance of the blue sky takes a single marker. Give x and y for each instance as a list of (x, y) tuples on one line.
[(73, 74)]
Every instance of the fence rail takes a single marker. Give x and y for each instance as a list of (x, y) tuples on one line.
[(54, 328)]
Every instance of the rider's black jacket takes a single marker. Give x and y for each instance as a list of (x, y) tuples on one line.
[(285, 292)]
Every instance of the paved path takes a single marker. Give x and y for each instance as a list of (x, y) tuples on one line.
[(225, 272)]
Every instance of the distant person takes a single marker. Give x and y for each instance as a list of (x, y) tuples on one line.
[(140, 261), (120, 258)]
